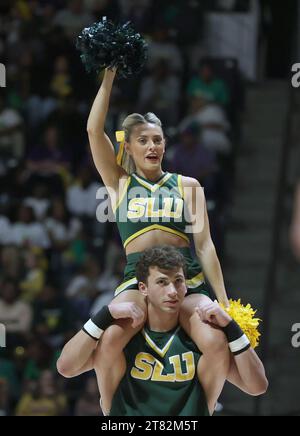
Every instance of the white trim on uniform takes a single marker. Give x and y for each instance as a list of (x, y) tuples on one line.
[(151, 343)]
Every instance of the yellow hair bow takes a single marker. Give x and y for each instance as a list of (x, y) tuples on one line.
[(120, 137)]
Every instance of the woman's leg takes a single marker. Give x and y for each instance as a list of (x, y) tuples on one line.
[(209, 340), (111, 345)]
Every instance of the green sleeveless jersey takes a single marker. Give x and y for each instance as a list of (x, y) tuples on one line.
[(161, 377), (145, 206)]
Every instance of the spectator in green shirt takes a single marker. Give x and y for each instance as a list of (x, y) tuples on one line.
[(208, 84)]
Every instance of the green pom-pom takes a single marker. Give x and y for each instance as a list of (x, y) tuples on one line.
[(107, 45)]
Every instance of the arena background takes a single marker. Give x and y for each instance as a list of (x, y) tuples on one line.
[(239, 137)]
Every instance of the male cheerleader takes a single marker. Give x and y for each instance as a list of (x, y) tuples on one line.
[(161, 371)]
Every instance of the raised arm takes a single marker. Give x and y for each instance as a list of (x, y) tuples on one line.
[(102, 149), (205, 249)]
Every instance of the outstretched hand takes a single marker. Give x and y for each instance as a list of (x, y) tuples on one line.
[(127, 310)]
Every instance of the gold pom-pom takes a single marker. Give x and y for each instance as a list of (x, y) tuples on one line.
[(244, 316)]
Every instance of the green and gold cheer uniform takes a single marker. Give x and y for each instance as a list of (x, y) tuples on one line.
[(161, 377), (144, 206)]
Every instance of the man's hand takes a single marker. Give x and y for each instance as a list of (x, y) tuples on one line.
[(127, 310), (212, 313)]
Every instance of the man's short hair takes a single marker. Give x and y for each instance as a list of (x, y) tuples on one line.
[(164, 257)]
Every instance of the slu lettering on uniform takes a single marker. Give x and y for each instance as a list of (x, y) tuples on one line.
[(147, 367), (146, 208), (2, 336), (2, 76), (118, 426)]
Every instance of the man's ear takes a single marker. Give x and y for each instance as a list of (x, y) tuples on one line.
[(143, 289)]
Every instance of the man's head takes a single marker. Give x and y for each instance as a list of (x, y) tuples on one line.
[(161, 276)]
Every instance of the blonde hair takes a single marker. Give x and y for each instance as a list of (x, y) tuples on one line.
[(129, 123)]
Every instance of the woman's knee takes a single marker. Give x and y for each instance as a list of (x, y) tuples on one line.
[(191, 302), (207, 337), (188, 315), (132, 296)]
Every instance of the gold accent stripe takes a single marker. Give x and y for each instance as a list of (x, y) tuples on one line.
[(155, 227), (159, 351), (125, 285), (196, 281), (121, 197)]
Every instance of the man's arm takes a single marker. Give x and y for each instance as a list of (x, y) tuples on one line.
[(248, 374), (117, 370), (246, 370), (78, 354)]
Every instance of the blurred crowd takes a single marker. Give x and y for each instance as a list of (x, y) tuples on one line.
[(58, 264)]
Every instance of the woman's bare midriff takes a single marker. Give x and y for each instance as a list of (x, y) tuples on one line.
[(153, 239)]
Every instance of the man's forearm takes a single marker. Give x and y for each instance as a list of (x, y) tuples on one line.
[(75, 355), (246, 371), (248, 374)]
